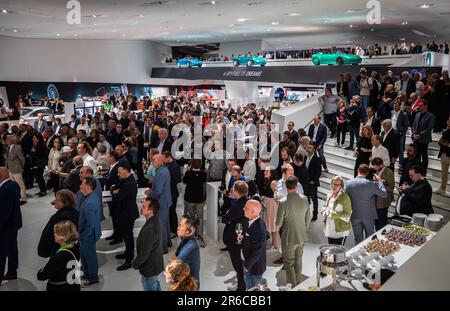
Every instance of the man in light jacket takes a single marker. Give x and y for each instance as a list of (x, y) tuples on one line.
[(362, 193), (293, 217), (383, 204), (15, 161)]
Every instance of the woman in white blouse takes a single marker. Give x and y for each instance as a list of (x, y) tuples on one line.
[(336, 213), (53, 163)]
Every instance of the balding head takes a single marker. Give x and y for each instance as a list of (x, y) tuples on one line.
[(252, 209), (4, 174)]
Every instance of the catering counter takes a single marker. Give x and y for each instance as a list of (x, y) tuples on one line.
[(401, 256)]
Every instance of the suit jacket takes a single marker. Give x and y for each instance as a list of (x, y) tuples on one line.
[(376, 125), (14, 159), (314, 170), (321, 136), (72, 182), (47, 245), (362, 193), (301, 172), (389, 183), (149, 260), (402, 122), (161, 188), (125, 201), (293, 216), (40, 129), (233, 213), (392, 144), (417, 199), (167, 146), (10, 214), (424, 128), (254, 247), (188, 251), (112, 178), (150, 135), (89, 220), (294, 136), (410, 87)]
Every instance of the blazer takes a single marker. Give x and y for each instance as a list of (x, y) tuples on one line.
[(40, 129), (89, 220), (47, 245), (315, 170), (341, 218), (188, 251), (10, 214), (149, 260), (402, 122), (362, 193), (425, 128), (389, 183), (161, 188), (254, 247), (294, 136), (321, 136), (410, 87), (167, 146), (417, 199), (293, 216), (111, 177), (392, 144), (233, 213), (125, 200), (376, 125), (14, 159)]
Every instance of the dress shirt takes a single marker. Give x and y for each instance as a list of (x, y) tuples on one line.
[(386, 134), (381, 152), (160, 146), (394, 118), (84, 127), (369, 121), (316, 129)]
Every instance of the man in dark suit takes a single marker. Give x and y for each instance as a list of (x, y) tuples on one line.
[(150, 134), (301, 172), (293, 134), (313, 164), (417, 197), (164, 143), (406, 84), (10, 223), (109, 180), (27, 143), (253, 244), (391, 140), (233, 213), (124, 199), (112, 136), (141, 151), (409, 161), (318, 134), (422, 129), (39, 124), (400, 122), (373, 121), (175, 179)]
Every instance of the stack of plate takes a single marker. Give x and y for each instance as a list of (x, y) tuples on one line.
[(419, 219), (434, 222)]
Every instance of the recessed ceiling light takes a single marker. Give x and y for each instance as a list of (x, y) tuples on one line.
[(425, 5), (351, 26), (178, 40), (275, 23), (4, 11), (94, 16), (241, 19), (213, 2), (15, 30), (75, 35), (58, 34), (404, 23)]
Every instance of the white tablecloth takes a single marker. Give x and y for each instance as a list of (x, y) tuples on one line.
[(401, 256)]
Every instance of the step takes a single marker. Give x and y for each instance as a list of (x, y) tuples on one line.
[(346, 157), (330, 148)]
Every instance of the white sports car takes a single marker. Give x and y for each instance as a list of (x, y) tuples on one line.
[(29, 114)]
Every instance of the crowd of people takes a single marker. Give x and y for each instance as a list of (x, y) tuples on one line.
[(262, 203)]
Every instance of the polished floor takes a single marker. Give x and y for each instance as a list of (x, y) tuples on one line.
[(216, 272)]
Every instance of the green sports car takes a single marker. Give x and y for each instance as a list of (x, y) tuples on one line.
[(336, 58)]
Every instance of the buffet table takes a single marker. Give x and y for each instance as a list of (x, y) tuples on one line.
[(107, 197), (401, 256)]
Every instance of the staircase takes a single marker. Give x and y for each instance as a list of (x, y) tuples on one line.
[(341, 162)]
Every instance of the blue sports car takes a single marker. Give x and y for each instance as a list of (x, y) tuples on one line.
[(189, 62), (249, 60)]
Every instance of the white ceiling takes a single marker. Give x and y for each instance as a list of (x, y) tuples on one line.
[(177, 22)]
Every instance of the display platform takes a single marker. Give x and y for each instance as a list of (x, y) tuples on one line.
[(286, 74)]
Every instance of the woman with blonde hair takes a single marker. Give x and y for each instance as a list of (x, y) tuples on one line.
[(336, 212), (178, 277), (62, 270), (364, 147)]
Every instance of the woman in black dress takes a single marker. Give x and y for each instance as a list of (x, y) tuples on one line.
[(38, 162), (62, 270), (364, 147)]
